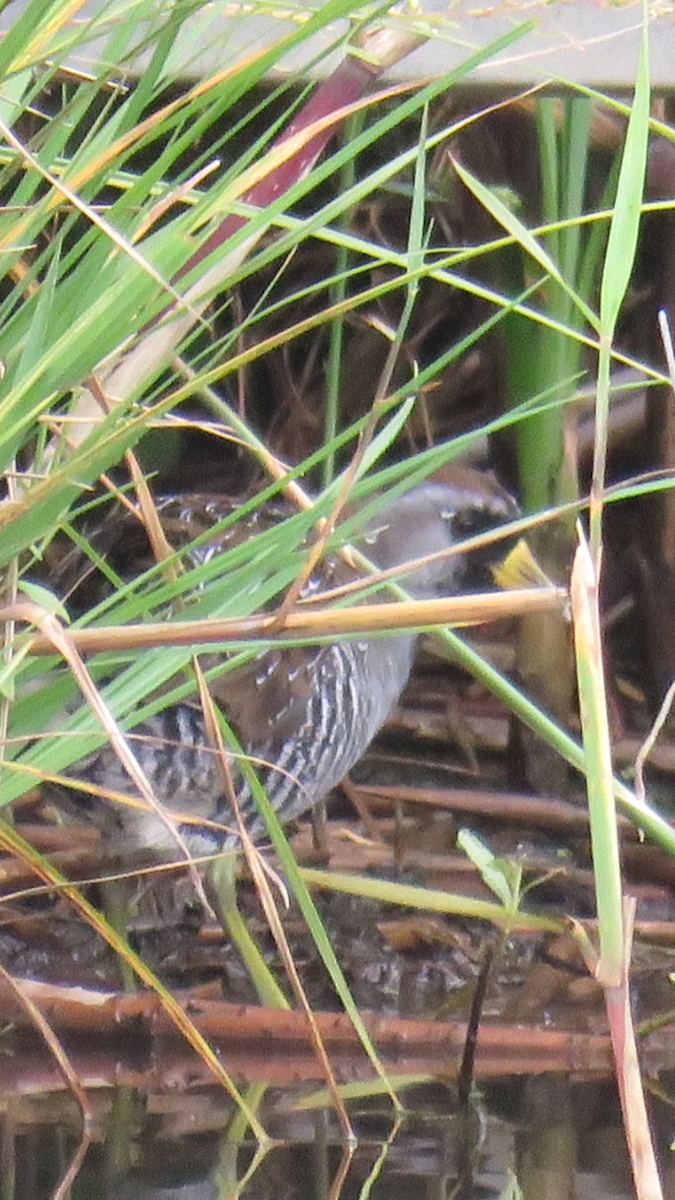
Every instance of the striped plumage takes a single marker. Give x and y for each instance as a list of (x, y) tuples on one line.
[(305, 714)]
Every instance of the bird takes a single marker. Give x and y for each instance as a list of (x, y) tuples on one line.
[(304, 714)]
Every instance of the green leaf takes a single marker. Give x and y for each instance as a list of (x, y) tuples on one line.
[(625, 225), (499, 874), (46, 599)]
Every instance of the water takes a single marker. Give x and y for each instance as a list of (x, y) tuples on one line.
[(549, 1135)]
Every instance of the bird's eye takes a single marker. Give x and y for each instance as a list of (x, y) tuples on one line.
[(470, 521)]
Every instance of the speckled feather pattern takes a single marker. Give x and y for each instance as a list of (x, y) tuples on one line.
[(305, 715)]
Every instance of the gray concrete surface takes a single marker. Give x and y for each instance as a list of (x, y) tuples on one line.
[(593, 42)]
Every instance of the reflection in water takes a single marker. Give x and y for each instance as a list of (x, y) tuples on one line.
[(553, 1137), (135, 1187)]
